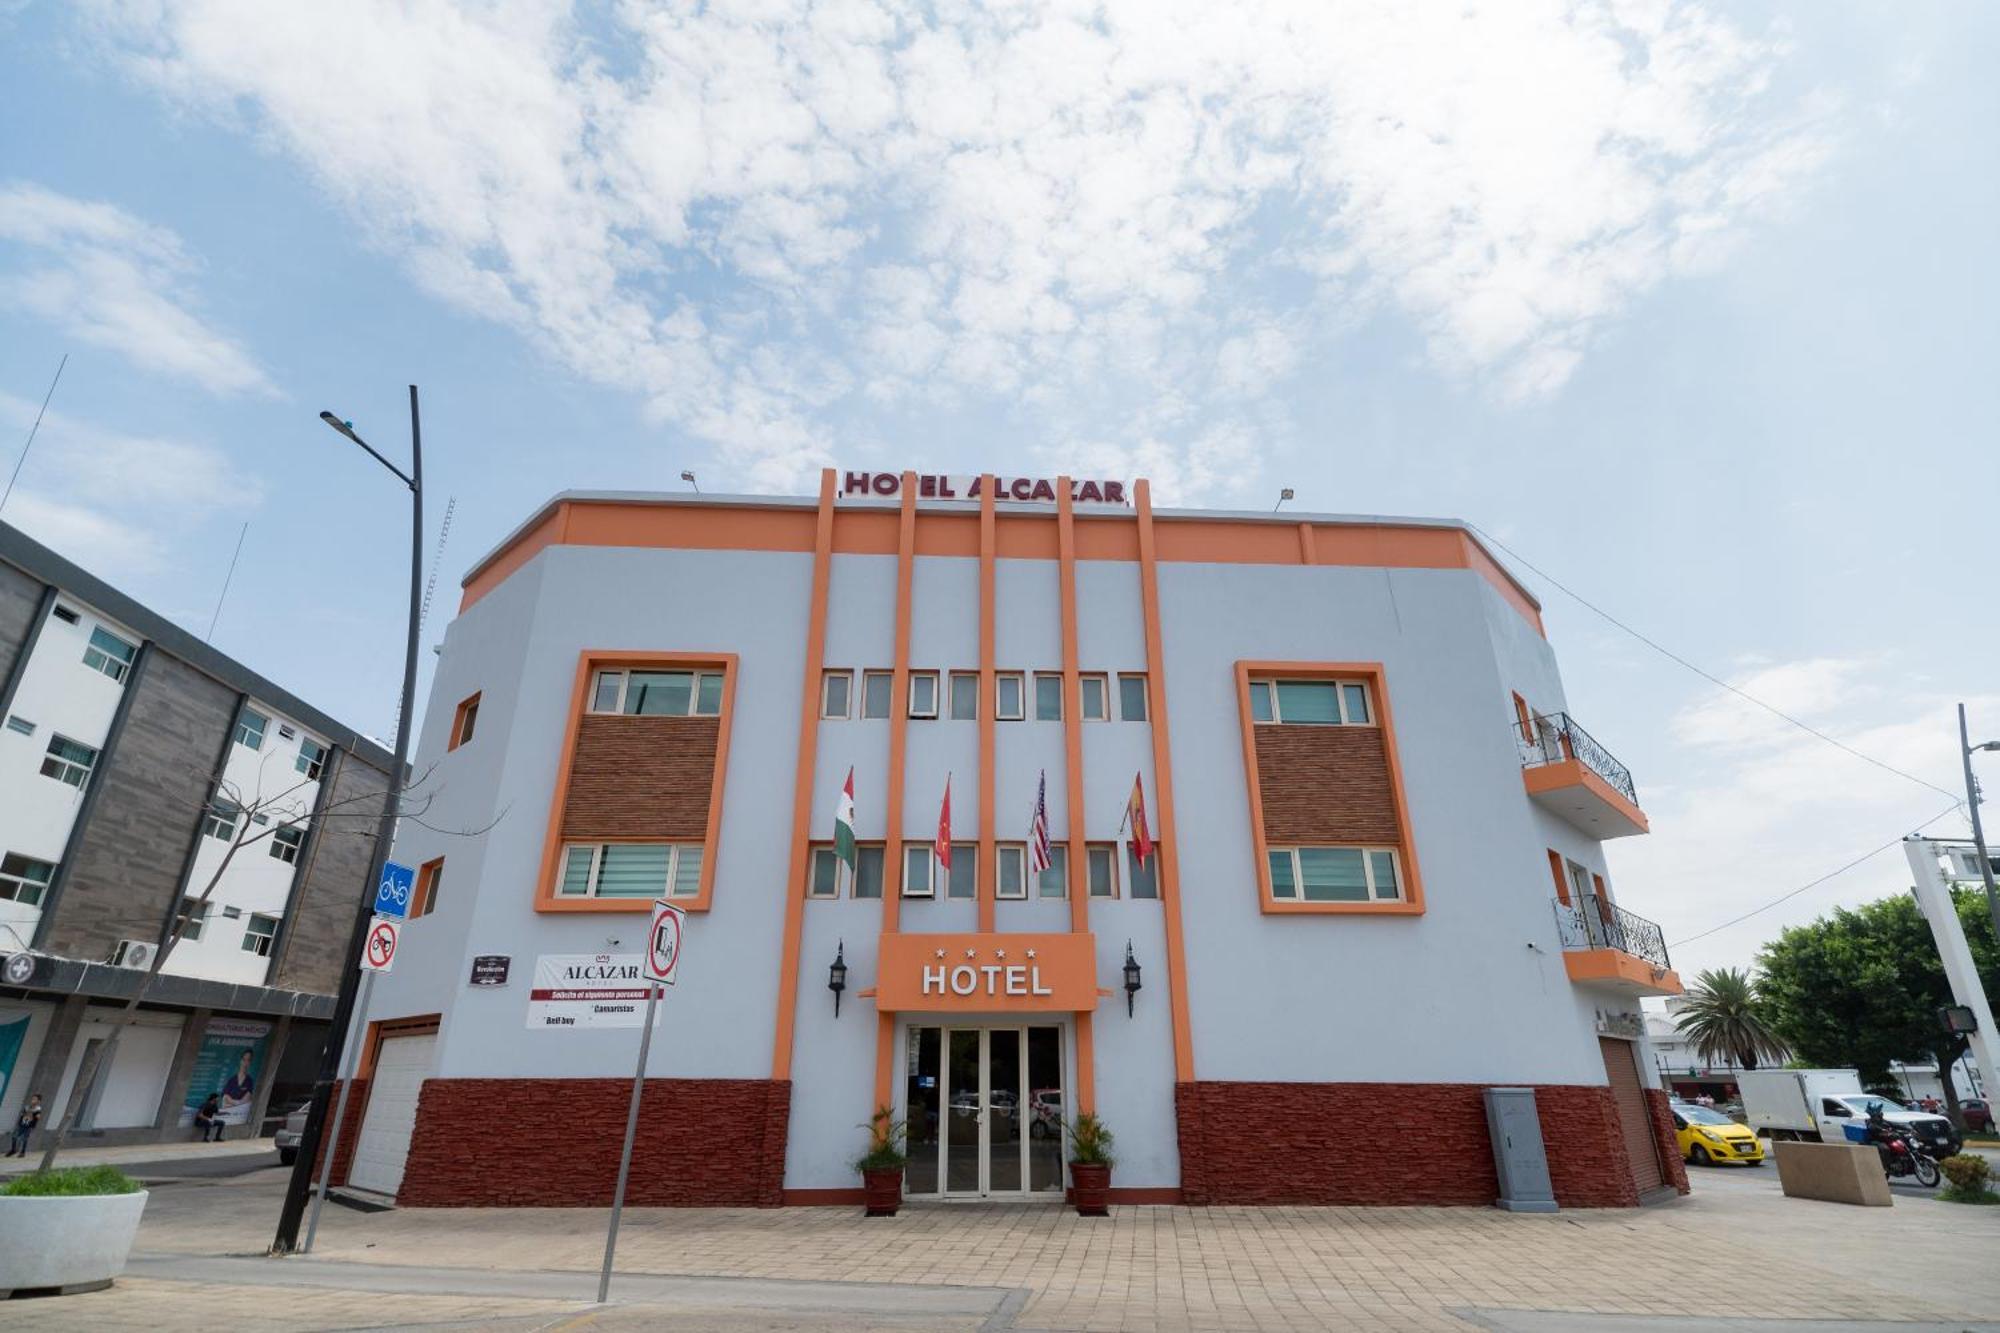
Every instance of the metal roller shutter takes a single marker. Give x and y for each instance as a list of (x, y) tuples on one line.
[(1633, 1118)]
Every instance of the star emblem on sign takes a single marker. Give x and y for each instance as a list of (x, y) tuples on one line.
[(999, 953), (972, 953), (1031, 953)]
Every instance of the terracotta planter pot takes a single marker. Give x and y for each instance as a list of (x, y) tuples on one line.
[(882, 1190), (1090, 1186)]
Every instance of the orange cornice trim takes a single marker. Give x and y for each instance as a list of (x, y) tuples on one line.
[(1412, 903), (587, 661), (1164, 839), (899, 708), (988, 764), (1575, 773), (802, 781)]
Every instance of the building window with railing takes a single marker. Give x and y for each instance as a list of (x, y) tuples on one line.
[(1555, 738)]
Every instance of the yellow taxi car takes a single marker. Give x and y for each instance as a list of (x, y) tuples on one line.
[(1707, 1137)]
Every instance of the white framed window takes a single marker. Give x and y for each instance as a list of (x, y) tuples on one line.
[(15, 722), (965, 696), (250, 729), (311, 760), (1048, 696), (191, 917), (868, 861), (923, 694), (67, 761), (285, 843), (1010, 692), (1131, 697), (1321, 703), (917, 863), (878, 691), (1096, 698), (107, 652), (1102, 869), (630, 870), (1336, 874), (822, 873), (258, 933), (25, 880), (1010, 861), (658, 693), (836, 695), (1054, 882), (220, 820), (1143, 880), (963, 880)]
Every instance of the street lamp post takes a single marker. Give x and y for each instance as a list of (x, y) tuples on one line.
[(1966, 751), (350, 979)]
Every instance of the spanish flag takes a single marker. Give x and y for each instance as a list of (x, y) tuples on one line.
[(1135, 816)]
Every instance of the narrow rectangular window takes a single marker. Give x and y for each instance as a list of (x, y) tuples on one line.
[(17, 723), (259, 933), (877, 691), (25, 880), (109, 654), (823, 875), (250, 729), (190, 917), (285, 843), (1382, 877), (1131, 697), (1144, 879), (836, 689), (1103, 867), (1054, 882), (464, 722), (686, 881), (1009, 696), (1261, 707), (1096, 693), (578, 868), (311, 760), (1010, 860), (1284, 875), (1354, 704), (708, 694), (607, 692), (1048, 696), (67, 761), (220, 821), (965, 696), (917, 861), (868, 871), (963, 881), (923, 694), (430, 879)]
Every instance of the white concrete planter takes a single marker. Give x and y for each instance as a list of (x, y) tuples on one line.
[(73, 1244)]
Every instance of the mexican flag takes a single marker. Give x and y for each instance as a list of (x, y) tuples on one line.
[(843, 824)]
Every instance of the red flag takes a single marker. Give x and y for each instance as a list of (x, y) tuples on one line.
[(1135, 815), (943, 845)]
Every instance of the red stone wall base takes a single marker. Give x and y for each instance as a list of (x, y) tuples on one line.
[(1671, 1161), (553, 1143), (1387, 1144)]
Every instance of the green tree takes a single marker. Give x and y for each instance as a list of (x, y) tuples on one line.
[(1863, 987), (1723, 1017)]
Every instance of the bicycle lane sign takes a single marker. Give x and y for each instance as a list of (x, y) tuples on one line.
[(392, 895)]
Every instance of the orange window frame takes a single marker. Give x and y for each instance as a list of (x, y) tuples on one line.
[(428, 875), (467, 711), (1412, 903), (588, 662)]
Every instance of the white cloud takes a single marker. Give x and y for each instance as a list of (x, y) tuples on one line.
[(1036, 203), (108, 279)]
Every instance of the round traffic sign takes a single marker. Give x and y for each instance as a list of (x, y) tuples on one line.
[(381, 949)]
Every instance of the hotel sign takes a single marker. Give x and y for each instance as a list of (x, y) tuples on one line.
[(1010, 973), (1028, 490), (584, 990)]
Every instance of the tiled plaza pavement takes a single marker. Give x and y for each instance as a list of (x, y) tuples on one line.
[(1736, 1248)]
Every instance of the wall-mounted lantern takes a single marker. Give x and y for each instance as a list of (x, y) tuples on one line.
[(1131, 978), (836, 976)]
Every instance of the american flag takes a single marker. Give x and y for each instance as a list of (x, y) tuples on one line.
[(1039, 855)]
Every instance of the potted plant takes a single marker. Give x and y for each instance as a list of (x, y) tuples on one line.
[(881, 1166), (68, 1230), (1090, 1163)]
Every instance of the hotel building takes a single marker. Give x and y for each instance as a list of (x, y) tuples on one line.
[(1376, 887)]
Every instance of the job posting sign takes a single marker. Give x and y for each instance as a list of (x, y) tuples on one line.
[(589, 990)]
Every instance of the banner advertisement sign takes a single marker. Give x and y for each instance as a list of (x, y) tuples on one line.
[(228, 1066), (584, 990)]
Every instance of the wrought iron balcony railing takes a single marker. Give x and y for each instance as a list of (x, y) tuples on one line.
[(1557, 737), (1591, 921)]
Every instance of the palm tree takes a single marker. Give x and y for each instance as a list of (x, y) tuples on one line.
[(1723, 1017)]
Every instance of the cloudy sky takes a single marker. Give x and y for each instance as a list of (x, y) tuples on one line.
[(1691, 306)]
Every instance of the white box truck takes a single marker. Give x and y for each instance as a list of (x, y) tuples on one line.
[(1829, 1105)]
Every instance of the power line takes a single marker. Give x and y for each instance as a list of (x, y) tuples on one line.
[(1711, 677), (4, 495), (226, 579), (1786, 897)]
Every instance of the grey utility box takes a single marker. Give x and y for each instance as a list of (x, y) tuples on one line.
[(1518, 1155)]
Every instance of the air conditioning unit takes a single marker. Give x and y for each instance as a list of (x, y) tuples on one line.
[(135, 954), (285, 732)]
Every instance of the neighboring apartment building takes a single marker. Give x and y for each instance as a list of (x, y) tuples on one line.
[(131, 756), (1377, 883)]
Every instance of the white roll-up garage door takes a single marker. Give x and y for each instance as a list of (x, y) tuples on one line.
[(384, 1146)]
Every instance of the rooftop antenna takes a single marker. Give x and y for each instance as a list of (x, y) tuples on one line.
[(226, 579), (1283, 496), (688, 477), (32, 430)]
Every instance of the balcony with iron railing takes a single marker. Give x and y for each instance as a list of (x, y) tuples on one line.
[(1568, 773), (1605, 945)]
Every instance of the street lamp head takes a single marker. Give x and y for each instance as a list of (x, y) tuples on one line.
[(1990, 745), (344, 427)]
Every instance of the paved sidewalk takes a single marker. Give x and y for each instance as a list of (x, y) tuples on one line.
[(140, 1152)]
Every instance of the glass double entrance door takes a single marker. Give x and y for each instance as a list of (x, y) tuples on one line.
[(985, 1112)]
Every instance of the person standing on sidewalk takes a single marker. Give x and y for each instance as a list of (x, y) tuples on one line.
[(24, 1126)]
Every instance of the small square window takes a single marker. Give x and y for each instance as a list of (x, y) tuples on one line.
[(285, 843), (836, 690), (1054, 882), (25, 880), (1048, 696), (1131, 697), (965, 696), (823, 875), (1103, 868), (221, 819), (191, 917), (877, 692), (311, 760), (109, 654), (923, 694), (917, 859), (250, 729), (868, 871), (1096, 698), (1009, 696), (259, 934), (1009, 879), (1144, 878), (67, 761)]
